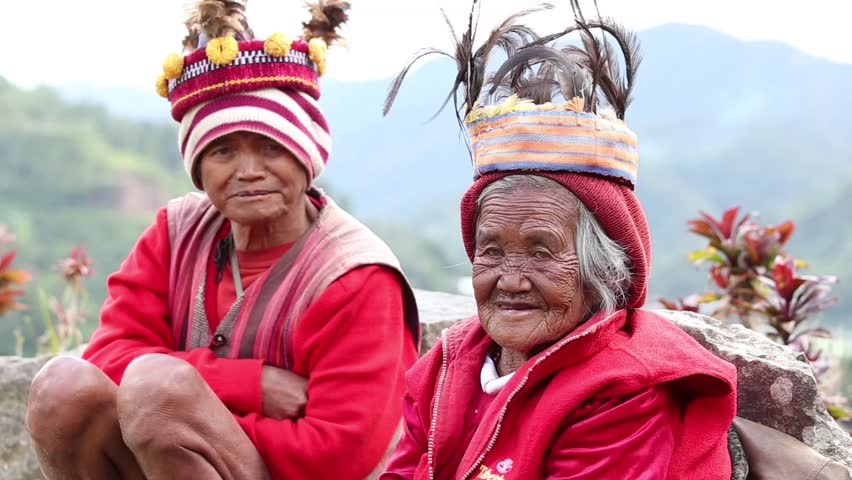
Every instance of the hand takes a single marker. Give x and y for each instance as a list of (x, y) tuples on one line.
[(284, 393)]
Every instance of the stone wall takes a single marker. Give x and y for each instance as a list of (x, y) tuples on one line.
[(775, 386), (17, 461)]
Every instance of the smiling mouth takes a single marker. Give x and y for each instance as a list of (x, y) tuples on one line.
[(517, 306)]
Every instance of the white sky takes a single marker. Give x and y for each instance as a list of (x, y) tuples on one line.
[(117, 43)]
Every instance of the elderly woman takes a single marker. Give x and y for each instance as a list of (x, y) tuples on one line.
[(561, 375), (256, 331)]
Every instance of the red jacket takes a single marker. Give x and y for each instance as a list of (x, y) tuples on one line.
[(625, 396), (352, 345)]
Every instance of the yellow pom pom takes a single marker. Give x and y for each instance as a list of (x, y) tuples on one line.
[(222, 50), (316, 51), (173, 66), (163, 86), (277, 45)]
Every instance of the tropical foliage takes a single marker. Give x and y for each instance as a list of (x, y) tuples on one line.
[(756, 282)]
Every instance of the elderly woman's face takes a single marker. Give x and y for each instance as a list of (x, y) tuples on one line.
[(251, 178), (526, 275)]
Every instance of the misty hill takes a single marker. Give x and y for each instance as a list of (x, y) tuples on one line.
[(721, 122)]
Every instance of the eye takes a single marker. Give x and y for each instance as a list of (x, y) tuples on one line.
[(274, 147), (491, 252), (541, 254), (219, 151)]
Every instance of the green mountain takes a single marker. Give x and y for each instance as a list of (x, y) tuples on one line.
[(75, 175), (721, 122)]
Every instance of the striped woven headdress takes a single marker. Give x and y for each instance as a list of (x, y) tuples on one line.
[(550, 106), (227, 81)]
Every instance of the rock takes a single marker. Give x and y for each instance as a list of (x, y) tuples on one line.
[(17, 460), (846, 424), (775, 386), (438, 311)]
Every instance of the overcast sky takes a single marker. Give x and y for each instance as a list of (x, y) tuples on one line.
[(118, 43)]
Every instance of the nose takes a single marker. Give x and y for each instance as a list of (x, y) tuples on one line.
[(513, 280), (251, 167)]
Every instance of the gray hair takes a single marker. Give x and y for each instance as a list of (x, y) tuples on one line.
[(604, 266)]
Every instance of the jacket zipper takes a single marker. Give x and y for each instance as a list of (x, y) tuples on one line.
[(508, 400), (434, 423)]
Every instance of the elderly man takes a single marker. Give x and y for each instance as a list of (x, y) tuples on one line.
[(254, 332), (561, 375)]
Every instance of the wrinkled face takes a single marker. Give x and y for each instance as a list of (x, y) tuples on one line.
[(526, 275), (252, 179)]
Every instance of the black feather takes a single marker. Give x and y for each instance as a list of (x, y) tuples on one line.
[(600, 59), (393, 91), (509, 37)]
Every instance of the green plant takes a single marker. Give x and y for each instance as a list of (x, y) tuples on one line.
[(755, 282)]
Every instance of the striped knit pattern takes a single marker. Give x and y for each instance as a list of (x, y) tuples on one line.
[(555, 141), (253, 69), (291, 117)]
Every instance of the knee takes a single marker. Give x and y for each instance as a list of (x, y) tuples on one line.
[(155, 392), (65, 397)]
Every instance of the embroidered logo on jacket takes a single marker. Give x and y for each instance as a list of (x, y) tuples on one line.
[(485, 473), (505, 466)]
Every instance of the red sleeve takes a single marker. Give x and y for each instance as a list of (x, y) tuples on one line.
[(354, 347), (628, 437), (411, 447), (135, 321)]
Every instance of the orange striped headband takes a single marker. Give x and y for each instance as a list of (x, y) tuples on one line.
[(553, 138)]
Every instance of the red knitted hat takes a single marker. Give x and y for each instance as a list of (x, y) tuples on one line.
[(228, 81), (613, 204)]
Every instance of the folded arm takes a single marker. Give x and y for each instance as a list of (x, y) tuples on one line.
[(354, 347)]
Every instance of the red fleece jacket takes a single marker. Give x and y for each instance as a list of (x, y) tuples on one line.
[(352, 344), (625, 396)]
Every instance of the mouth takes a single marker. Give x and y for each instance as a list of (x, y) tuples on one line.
[(253, 194), (517, 306)]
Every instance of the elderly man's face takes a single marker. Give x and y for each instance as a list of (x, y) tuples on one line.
[(251, 178), (526, 275)]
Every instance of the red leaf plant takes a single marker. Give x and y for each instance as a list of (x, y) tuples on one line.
[(753, 280), (11, 279)]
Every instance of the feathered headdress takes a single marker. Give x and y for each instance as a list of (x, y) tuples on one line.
[(588, 72), (226, 80), (550, 105)]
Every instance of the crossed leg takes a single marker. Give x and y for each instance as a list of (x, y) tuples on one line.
[(162, 422)]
